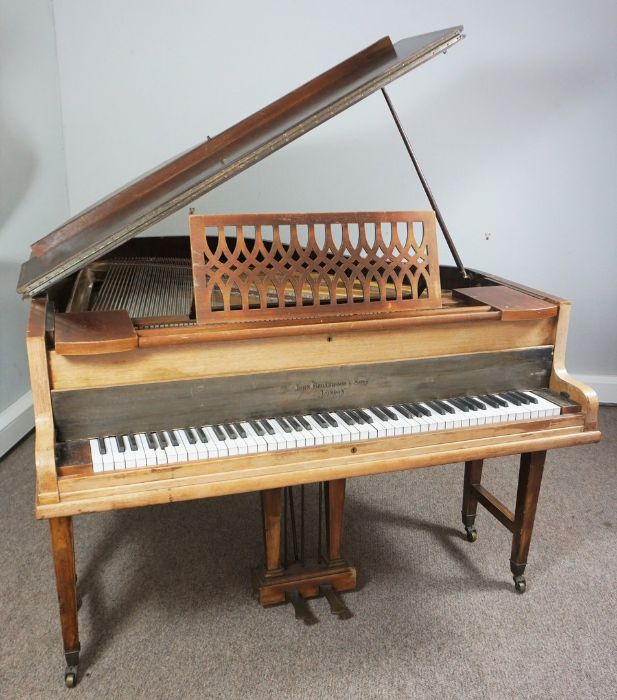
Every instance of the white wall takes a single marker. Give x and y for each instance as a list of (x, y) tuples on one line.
[(33, 192)]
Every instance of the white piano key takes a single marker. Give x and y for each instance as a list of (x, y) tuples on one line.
[(544, 405), (384, 428), (140, 455), (298, 436), (409, 426), (192, 450), (286, 440), (97, 457), (354, 432), (332, 434), (161, 457), (234, 447), (321, 438), (441, 421), (181, 450), (343, 433), (130, 461), (220, 446), (308, 436), (257, 442), (462, 417), (170, 451), (149, 453)]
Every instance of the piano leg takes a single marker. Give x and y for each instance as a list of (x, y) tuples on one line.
[(271, 502), (335, 504), (529, 481), (520, 523), (473, 476), (63, 550)]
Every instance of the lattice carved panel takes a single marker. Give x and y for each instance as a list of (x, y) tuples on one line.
[(277, 266)]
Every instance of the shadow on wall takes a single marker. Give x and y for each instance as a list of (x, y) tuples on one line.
[(17, 168)]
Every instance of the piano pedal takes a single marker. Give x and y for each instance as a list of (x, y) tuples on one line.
[(301, 607), (337, 604)]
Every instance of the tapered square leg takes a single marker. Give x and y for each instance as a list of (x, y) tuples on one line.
[(473, 476), (529, 481), (63, 550)]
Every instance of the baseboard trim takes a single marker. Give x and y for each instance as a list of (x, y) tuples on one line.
[(15, 421), (604, 384)]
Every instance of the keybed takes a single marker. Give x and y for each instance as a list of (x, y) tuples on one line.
[(271, 434)]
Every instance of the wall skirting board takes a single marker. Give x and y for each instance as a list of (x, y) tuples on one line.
[(15, 421), (604, 384)]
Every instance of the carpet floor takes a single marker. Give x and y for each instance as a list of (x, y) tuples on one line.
[(168, 612)]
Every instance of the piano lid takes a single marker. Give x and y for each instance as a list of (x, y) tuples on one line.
[(159, 193)]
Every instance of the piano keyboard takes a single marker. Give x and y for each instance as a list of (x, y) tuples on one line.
[(136, 450)]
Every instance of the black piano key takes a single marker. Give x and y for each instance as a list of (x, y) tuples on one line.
[(120, 443), (284, 424), (331, 421), (230, 431), (379, 413), (151, 440), (220, 435), (510, 399), (203, 436), (173, 439), (367, 417), (468, 402), (319, 420), (436, 407), (344, 417), (190, 436), (162, 440), (269, 429), (403, 410), (530, 397), (477, 403), (490, 401), (240, 430), (257, 427), (132, 442), (413, 410), (445, 405), (295, 424), (102, 448), (356, 416), (389, 414), (523, 397), (423, 409), (460, 405), (303, 422), (500, 401)]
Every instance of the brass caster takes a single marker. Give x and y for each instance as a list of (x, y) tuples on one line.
[(520, 584), (471, 533), (70, 677)]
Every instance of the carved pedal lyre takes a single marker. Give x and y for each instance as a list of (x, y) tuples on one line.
[(277, 266)]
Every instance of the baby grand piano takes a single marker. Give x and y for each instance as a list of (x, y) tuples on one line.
[(268, 352)]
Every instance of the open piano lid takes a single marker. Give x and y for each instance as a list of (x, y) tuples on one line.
[(159, 193)]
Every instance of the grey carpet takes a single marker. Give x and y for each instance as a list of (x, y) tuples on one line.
[(167, 609)]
